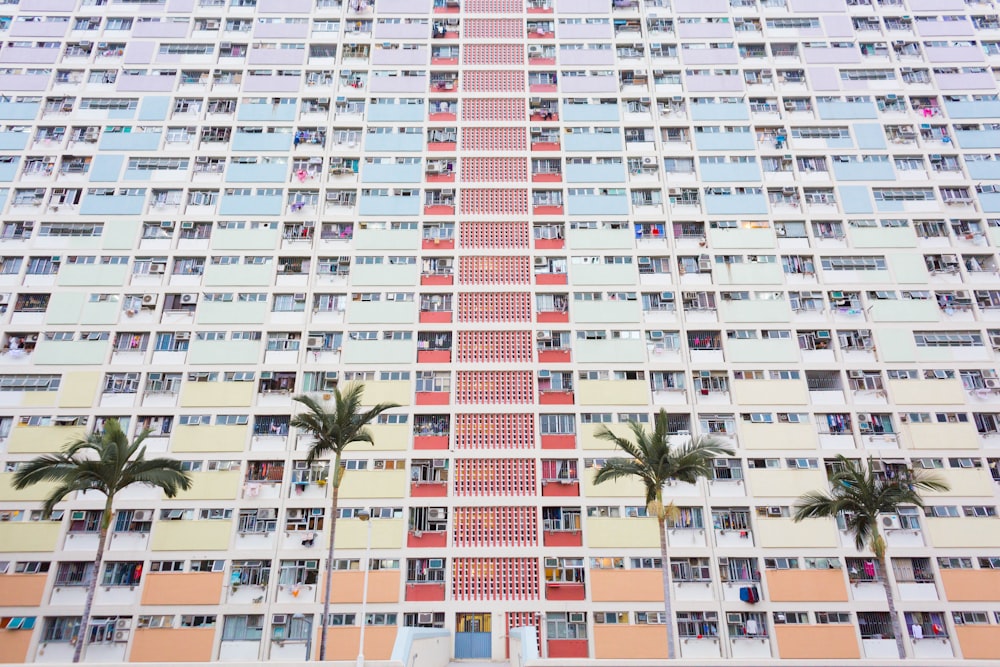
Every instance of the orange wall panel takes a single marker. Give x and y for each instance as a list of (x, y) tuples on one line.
[(979, 642), (971, 585), (173, 645), (22, 590), (817, 641), (14, 646), (342, 643), (806, 585), (347, 586), (630, 642), (182, 588), (626, 586)]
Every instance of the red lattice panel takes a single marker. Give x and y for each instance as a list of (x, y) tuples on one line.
[(495, 170), (498, 270), (488, 234), (496, 202), (493, 81), (494, 6), (494, 346), (493, 54), (499, 139), (494, 307), (495, 579), (495, 527), (484, 478), (502, 431), (494, 387), (494, 108), (494, 28)]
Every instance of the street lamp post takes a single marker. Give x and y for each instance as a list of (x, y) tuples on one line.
[(365, 516), (309, 632)]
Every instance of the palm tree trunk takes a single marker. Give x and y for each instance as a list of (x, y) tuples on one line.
[(88, 603), (667, 605), (897, 627), (334, 476)]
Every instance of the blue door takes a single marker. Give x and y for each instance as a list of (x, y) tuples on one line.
[(473, 636)]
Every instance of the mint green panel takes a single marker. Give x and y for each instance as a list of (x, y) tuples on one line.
[(611, 351), (224, 352), (602, 274), (387, 239), (68, 243), (65, 308), (245, 239), (895, 344), (71, 352), (607, 311), (755, 311), (905, 310), (227, 275), (880, 237), (101, 312), (381, 312), (769, 350), (385, 274), (232, 312), (112, 275), (379, 351), (748, 274), (908, 268), (601, 239), (741, 238), (120, 234)]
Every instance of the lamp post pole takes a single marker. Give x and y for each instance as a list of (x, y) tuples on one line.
[(365, 516)]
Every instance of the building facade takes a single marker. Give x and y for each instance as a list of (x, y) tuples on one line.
[(522, 220)]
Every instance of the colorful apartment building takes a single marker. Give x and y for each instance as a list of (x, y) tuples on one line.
[(522, 220)]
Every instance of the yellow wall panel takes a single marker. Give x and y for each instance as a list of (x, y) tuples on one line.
[(942, 436), (208, 535), (613, 533), (36, 439), (963, 482), (389, 391), (388, 437), (770, 392), (223, 438), (39, 399), (589, 441), (787, 483), (36, 492), (966, 532), (776, 532), (927, 392), (386, 534), (777, 436), (612, 392), (217, 394), (614, 489), (78, 389), (374, 484), (212, 486), (29, 536)]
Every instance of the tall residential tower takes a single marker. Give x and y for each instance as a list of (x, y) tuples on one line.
[(523, 220)]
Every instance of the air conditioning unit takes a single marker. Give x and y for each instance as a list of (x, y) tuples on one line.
[(182, 335), (314, 341), (992, 383), (891, 522), (541, 261), (189, 298), (123, 624), (267, 513), (577, 617), (296, 513), (648, 161), (856, 374), (121, 635), (299, 296), (149, 299), (436, 514), (425, 617), (704, 265), (279, 619), (774, 511), (157, 268), (142, 516), (535, 50)]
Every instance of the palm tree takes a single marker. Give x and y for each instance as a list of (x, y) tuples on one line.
[(333, 430), (654, 461), (861, 496), (106, 463)]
